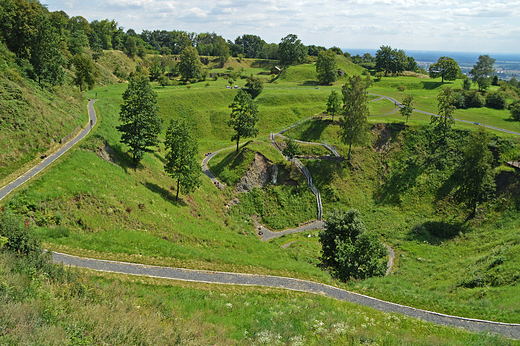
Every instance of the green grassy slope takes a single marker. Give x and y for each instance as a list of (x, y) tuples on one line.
[(91, 207)]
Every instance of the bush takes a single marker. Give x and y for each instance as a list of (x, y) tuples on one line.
[(349, 250), (496, 100), (474, 99), (401, 88), (514, 108), (20, 238)]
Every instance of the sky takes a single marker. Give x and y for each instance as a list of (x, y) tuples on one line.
[(432, 25)]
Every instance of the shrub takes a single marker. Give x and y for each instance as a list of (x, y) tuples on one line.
[(401, 88), (474, 99), (514, 109), (496, 100), (349, 250), (20, 238)]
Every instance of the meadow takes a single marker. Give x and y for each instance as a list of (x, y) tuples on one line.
[(86, 206)]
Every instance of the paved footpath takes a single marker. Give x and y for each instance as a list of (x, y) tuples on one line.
[(506, 329), (7, 189)]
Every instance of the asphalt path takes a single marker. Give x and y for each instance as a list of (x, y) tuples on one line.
[(7, 189), (507, 329), (398, 104)]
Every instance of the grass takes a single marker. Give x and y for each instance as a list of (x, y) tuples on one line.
[(87, 206), (80, 310), (33, 121)]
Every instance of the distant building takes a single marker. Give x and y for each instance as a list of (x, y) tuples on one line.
[(275, 70)]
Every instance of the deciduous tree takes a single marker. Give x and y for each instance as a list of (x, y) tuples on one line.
[(446, 107), (291, 50), (482, 71), (254, 86), (355, 112), (292, 148), (140, 123), (406, 109), (86, 72), (514, 109), (333, 104), (182, 157), (348, 249), (326, 67), (446, 68), (475, 171), (243, 118), (190, 66)]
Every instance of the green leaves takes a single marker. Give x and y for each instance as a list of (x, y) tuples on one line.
[(348, 249), (445, 67), (243, 117), (333, 104), (190, 66), (326, 67), (140, 123), (181, 159), (355, 112)]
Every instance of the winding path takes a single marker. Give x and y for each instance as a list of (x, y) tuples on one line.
[(507, 329), (7, 189)]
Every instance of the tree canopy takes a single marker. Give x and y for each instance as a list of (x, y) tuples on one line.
[(355, 112), (182, 157), (390, 60), (190, 66), (348, 249), (140, 123), (406, 109), (291, 50), (333, 104), (243, 118), (326, 67), (475, 171), (445, 67), (483, 70), (254, 86), (446, 107), (86, 72)]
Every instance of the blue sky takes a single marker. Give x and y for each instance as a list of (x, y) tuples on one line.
[(446, 25)]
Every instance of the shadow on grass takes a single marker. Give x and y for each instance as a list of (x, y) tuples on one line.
[(430, 85), (435, 232), (400, 181), (310, 83), (315, 130), (166, 194)]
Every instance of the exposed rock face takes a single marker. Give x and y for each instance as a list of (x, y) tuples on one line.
[(107, 153), (261, 172)]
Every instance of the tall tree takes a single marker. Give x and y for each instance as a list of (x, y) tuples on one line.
[(475, 170), (221, 49), (291, 50), (384, 59), (243, 118), (482, 71), (181, 158), (46, 58), (326, 67), (355, 112), (86, 72), (140, 122), (333, 104), (445, 67), (190, 66), (446, 107), (406, 109)]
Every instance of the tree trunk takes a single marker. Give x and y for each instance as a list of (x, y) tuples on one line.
[(178, 187), (349, 149), (238, 140)]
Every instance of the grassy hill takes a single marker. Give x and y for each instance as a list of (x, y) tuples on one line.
[(85, 205)]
